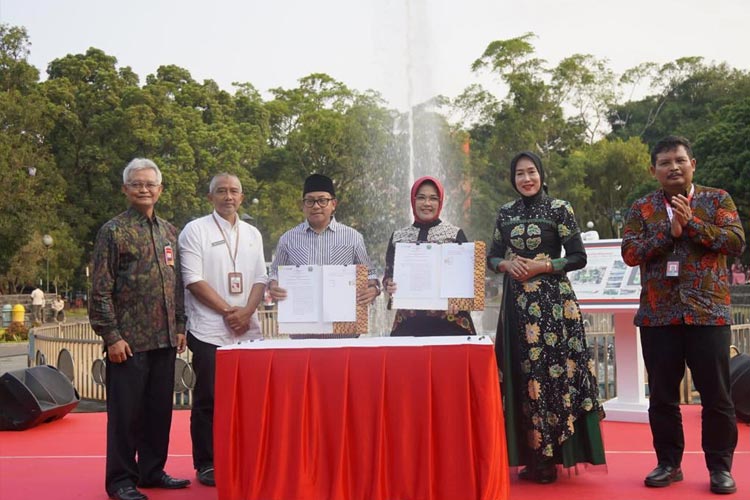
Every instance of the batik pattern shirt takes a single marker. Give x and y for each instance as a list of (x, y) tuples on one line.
[(137, 292), (700, 294), (543, 334)]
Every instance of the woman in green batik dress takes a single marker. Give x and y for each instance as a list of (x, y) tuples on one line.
[(552, 411)]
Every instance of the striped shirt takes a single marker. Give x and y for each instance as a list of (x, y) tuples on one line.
[(338, 244)]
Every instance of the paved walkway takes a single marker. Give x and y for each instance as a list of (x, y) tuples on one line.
[(13, 348), (13, 356)]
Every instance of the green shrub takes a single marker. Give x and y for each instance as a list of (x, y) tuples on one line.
[(16, 332)]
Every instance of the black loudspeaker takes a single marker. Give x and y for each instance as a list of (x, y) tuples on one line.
[(35, 395), (739, 376)]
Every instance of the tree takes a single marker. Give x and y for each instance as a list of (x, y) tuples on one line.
[(530, 117), (15, 71), (474, 106), (587, 85), (26, 265), (203, 131), (27, 167), (65, 141), (322, 126), (723, 155), (91, 139), (686, 94), (613, 171)]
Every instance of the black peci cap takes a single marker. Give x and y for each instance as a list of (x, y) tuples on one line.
[(318, 182)]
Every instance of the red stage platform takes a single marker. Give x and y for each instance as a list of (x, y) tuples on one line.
[(64, 460)]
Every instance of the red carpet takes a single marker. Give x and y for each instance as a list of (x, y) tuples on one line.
[(65, 460)]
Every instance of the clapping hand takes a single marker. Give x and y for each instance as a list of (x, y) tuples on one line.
[(681, 214)]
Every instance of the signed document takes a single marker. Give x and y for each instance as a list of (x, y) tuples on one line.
[(457, 270), (302, 303), (428, 274), (317, 296), (339, 293)]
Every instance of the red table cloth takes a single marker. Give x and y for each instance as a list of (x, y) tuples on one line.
[(371, 418)]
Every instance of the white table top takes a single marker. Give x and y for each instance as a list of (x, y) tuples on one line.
[(361, 342)]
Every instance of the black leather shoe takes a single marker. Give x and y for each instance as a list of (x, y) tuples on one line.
[(663, 475), (205, 475), (526, 474), (546, 474), (167, 482), (128, 493), (543, 475), (722, 482)]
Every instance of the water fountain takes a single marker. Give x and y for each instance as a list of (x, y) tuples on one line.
[(429, 146)]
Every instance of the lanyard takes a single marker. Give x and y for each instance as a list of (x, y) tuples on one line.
[(236, 243), (670, 212)]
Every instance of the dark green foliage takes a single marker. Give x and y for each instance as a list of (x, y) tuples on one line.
[(79, 128)]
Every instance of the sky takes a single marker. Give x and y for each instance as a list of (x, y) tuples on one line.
[(408, 50)]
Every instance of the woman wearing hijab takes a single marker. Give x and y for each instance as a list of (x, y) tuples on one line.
[(426, 202), (552, 411)]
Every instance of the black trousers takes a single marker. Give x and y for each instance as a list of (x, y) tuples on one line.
[(705, 349), (139, 417), (202, 413)]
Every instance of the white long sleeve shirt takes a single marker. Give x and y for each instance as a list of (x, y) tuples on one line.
[(205, 255)]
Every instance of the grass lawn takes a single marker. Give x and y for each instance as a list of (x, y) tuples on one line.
[(76, 313)]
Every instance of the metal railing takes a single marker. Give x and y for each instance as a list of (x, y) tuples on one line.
[(601, 342), (48, 341), (85, 347)]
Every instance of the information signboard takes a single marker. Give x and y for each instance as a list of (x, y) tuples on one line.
[(606, 282)]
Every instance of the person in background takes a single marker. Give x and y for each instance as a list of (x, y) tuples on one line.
[(224, 272), (37, 305), (552, 410), (137, 309), (738, 272), (680, 236), (57, 306), (427, 196)]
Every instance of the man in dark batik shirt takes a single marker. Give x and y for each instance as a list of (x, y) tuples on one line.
[(137, 308), (681, 236)]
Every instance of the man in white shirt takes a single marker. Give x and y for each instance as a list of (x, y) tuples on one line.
[(58, 304), (224, 271), (37, 304)]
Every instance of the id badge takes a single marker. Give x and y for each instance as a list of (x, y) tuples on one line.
[(673, 267), (169, 255), (235, 282)]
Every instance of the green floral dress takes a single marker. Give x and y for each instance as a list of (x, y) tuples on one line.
[(550, 392)]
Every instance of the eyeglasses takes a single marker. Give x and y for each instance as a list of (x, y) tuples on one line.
[(432, 199), (137, 186), (322, 202)]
